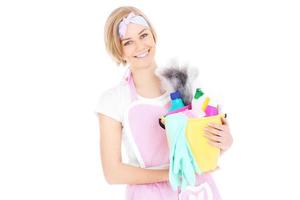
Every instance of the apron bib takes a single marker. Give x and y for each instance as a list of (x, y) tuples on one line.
[(150, 146)]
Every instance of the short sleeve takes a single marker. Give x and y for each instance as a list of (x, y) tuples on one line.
[(109, 105)]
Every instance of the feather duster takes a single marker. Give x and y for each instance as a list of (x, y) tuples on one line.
[(178, 78)]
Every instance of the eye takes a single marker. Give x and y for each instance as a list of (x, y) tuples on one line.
[(127, 43), (144, 35)]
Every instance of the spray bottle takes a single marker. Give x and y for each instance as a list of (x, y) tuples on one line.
[(199, 103)]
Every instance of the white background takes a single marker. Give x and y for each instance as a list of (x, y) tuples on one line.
[(53, 68)]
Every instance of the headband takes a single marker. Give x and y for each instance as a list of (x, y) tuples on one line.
[(131, 18)]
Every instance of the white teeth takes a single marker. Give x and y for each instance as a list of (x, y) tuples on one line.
[(142, 55)]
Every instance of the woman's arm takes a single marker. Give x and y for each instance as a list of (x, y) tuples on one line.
[(114, 170)]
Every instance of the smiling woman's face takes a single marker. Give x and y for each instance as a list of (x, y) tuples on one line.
[(138, 46)]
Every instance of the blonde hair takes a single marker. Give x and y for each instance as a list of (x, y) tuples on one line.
[(111, 36)]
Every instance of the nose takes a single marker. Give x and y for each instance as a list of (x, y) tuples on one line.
[(139, 46)]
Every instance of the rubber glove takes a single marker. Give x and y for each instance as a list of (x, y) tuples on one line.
[(182, 164)]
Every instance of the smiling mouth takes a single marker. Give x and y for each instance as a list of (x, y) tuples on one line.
[(143, 55)]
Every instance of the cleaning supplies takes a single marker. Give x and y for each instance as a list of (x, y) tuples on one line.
[(211, 109), (199, 103), (176, 101)]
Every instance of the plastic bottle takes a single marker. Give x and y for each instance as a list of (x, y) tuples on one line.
[(211, 110), (199, 103), (176, 101)]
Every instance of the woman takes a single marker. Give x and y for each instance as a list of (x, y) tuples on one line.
[(129, 113)]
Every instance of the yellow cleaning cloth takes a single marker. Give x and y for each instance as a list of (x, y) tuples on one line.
[(205, 154)]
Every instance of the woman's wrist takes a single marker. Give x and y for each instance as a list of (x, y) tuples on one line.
[(166, 175)]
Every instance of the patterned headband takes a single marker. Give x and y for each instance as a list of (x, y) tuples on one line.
[(131, 18)]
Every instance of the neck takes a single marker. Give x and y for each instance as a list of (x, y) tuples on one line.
[(145, 80)]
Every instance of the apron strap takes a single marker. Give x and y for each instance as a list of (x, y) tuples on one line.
[(132, 89)]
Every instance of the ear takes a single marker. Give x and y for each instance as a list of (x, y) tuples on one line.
[(124, 59)]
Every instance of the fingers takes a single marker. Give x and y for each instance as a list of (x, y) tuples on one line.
[(217, 126), (216, 144), (212, 137), (214, 131), (218, 135)]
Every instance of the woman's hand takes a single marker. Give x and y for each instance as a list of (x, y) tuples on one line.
[(219, 135)]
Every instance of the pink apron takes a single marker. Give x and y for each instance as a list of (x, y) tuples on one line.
[(150, 146)]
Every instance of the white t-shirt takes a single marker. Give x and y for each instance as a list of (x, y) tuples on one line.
[(113, 103)]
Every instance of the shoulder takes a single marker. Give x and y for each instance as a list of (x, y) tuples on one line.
[(116, 92), (112, 101)]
